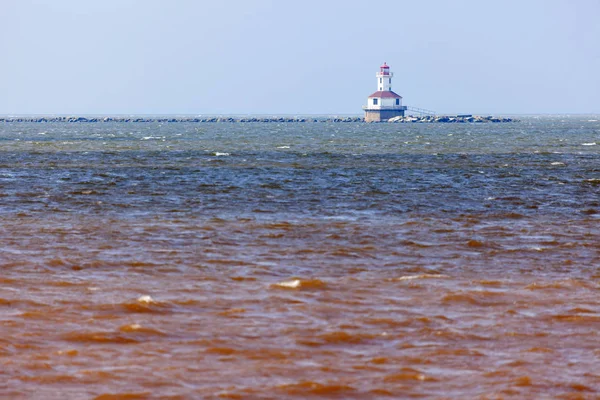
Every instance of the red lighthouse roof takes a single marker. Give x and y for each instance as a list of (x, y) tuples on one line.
[(385, 94), (385, 66)]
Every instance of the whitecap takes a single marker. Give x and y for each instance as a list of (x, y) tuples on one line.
[(218, 154), (283, 147), (294, 283), (589, 144), (558, 163), (145, 299), (422, 276)]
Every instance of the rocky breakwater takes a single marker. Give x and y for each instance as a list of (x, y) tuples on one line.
[(449, 119), (120, 119)]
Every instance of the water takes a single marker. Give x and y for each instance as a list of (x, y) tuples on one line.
[(300, 260)]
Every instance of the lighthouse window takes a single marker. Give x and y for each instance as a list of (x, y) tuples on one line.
[(380, 80), (374, 102), (397, 102)]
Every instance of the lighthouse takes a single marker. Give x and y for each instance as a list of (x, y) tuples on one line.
[(384, 103)]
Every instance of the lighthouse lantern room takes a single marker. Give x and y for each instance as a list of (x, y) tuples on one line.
[(384, 103)]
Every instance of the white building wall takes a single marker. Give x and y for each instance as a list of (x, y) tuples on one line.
[(390, 102), (387, 102), (384, 81)]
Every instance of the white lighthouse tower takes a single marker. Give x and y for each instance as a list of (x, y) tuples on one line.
[(384, 103)]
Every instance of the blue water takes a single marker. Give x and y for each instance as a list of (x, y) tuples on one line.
[(540, 166)]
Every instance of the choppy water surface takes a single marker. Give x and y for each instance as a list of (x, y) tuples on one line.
[(301, 260)]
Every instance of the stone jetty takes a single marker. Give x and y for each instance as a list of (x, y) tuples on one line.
[(123, 119), (449, 119)]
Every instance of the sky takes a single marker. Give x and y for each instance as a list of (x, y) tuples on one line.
[(206, 57)]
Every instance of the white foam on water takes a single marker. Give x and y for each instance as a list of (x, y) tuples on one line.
[(588, 144), (146, 299), (294, 283), (557, 163), (422, 276), (283, 147), (218, 154)]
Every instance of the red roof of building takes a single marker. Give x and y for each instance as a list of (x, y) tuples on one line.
[(385, 94), (384, 65)]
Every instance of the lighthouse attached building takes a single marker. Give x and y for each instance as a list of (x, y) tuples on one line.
[(384, 103)]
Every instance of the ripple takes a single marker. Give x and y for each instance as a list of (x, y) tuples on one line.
[(354, 266)]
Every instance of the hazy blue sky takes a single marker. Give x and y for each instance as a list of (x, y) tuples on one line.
[(297, 57)]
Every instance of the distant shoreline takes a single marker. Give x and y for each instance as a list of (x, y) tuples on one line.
[(122, 119)]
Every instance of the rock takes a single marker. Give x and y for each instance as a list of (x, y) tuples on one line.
[(334, 119)]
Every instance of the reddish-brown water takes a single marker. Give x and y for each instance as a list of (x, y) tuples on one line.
[(147, 272)]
